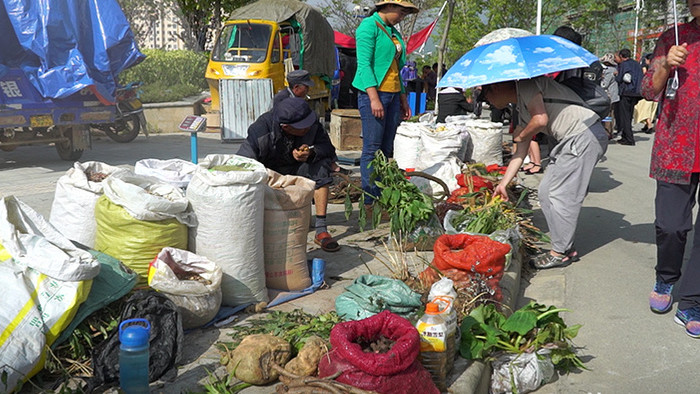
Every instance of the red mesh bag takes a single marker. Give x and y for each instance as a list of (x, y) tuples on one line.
[(476, 254), (396, 371), (473, 253)]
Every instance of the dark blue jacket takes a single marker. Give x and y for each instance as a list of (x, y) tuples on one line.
[(633, 88), (268, 144)]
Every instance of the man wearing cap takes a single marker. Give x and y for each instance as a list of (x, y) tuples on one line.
[(299, 82), (290, 140)]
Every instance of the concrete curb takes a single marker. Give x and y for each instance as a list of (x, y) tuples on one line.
[(476, 378)]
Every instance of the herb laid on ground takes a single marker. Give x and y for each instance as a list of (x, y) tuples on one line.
[(294, 327), (531, 328), (406, 205)]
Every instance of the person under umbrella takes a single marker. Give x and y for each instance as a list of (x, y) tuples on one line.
[(582, 141)]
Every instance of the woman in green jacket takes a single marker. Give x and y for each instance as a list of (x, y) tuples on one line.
[(381, 53)]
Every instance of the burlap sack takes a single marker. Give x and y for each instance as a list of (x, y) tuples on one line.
[(286, 227)]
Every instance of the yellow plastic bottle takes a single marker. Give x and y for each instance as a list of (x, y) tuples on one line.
[(437, 345)]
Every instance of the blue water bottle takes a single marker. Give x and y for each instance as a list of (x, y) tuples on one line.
[(133, 356)]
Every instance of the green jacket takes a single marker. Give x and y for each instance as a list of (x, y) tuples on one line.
[(375, 52)]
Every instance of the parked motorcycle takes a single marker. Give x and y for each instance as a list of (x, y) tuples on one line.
[(129, 115)]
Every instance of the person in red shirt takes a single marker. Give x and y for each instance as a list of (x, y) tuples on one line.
[(675, 164)]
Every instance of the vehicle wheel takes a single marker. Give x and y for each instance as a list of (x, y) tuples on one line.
[(125, 130), (65, 149)]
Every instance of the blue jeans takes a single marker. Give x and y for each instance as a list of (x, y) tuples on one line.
[(377, 134)]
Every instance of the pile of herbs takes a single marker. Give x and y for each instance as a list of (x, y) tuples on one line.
[(406, 205), (294, 327), (486, 331)]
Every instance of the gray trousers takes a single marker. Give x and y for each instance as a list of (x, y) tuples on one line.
[(565, 183)]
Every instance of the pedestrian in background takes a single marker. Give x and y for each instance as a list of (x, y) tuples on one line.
[(609, 83), (430, 81), (675, 164), (645, 110), (298, 84), (381, 54), (629, 82)]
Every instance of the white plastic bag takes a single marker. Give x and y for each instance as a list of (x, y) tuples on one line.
[(73, 207), (407, 144), (528, 371), (441, 142), (176, 172), (148, 198), (230, 210), (191, 282), (446, 170), (44, 279), (486, 141)]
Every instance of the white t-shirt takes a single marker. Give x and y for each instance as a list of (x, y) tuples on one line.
[(565, 120)]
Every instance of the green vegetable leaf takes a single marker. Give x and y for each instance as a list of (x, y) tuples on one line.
[(522, 321)]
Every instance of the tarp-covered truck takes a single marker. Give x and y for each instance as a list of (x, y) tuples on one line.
[(58, 70), (269, 38)]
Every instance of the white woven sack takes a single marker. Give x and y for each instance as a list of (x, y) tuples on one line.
[(229, 206), (486, 141), (449, 139), (45, 279), (176, 172), (73, 207), (407, 144), (446, 170), (148, 198)]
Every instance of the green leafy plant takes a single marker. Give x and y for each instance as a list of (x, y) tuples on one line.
[(168, 75), (406, 205), (531, 328), (294, 327)]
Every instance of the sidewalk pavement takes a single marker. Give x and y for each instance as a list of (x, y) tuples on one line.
[(626, 347)]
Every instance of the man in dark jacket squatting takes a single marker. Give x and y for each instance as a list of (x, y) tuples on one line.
[(290, 140)]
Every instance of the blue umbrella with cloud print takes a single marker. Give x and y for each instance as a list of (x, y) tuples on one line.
[(516, 58)]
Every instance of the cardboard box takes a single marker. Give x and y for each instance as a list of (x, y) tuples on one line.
[(345, 129)]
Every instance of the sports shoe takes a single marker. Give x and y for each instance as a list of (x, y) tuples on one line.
[(690, 318), (660, 300)]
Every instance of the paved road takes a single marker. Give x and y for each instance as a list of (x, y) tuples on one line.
[(628, 348)]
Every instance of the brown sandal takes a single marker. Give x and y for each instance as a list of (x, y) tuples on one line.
[(326, 242)]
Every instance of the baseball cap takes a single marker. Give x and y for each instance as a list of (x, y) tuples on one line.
[(299, 77), (295, 111)]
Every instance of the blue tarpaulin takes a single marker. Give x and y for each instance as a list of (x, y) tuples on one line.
[(65, 46)]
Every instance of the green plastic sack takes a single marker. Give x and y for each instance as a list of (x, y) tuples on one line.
[(135, 242), (371, 294), (113, 282)]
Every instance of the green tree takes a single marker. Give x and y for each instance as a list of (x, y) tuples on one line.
[(202, 18)]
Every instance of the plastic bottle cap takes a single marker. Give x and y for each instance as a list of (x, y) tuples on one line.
[(132, 334), (432, 309)]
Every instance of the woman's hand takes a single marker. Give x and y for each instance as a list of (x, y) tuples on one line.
[(677, 55), (405, 108), (377, 108), (500, 190)]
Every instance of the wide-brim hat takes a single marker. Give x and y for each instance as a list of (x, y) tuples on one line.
[(402, 3)]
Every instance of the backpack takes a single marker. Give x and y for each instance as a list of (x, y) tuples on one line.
[(593, 95)]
